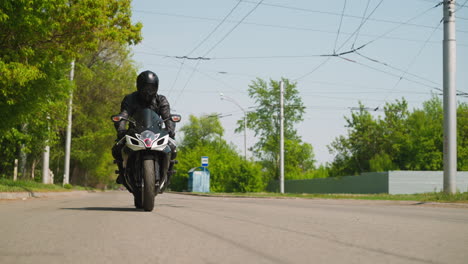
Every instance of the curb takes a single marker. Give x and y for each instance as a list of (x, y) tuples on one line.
[(26, 195), (232, 196), (358, 201)]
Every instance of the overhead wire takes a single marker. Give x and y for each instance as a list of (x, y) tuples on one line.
[(196, 47), (206, 73), (259, 24), (316, 55), (395, 68), (325, 61), (195, 69), (352, 48), (460, 7), (393, 29), (279, 26), (215, 28), (232, 29), (360, 26), (217, 43), (213, 78), (404, 23), (391, 74), (282, 56), (177, 77), (412, 61), (268, 57), (362, 23), (217, 80), (187, 82), (313, 70), (339, 27), (347, 85), (345, 15)]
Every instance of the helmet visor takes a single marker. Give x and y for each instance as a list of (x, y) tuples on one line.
[(148, 92), (149, 89)]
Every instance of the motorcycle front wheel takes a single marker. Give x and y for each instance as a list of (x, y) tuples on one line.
[(149, 177)]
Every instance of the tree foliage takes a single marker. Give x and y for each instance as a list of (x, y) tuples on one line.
[(265, 122), (400, 140), (229, 172), (38, 40), (104, 77), (201, 131)]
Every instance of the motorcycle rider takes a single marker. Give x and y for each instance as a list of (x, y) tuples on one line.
[(146, 96)]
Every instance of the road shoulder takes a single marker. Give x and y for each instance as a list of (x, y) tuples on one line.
[(27, 195), (341, 201)]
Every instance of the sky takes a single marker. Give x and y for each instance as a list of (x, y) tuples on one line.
[(399, 55)]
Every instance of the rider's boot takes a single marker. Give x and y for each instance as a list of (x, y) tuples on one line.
[(171, 170), (120, 172)]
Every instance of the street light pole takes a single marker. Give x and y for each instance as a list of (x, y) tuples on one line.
[(66, 176), (223, 97)]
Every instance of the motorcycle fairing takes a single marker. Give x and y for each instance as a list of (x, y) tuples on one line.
[(147, 140)]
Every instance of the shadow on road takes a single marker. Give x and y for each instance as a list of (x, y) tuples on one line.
[(116, 209)]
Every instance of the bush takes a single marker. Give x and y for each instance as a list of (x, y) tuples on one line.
[(68, 186), (229, 172)]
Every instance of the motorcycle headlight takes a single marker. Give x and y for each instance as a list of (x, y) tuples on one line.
[(148, 138)]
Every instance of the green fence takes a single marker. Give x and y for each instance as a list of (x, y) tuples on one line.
[(372, 182)]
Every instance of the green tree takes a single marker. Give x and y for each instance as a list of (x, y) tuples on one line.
[(264, 121), (400, 140), (353, 153), (462, 126), (395, 133), (202, 130), (103, 78), (229, 172), (38, 40), (425, 132)]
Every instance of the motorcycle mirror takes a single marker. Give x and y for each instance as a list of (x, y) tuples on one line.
[(176, 118), (116, 118)]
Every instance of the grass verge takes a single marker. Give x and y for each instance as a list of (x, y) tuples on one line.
[(422, 197), (7, 185)]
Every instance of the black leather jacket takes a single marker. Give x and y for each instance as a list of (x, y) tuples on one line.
[(132, 102)]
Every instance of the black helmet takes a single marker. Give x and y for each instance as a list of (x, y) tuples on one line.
[(147, 85)]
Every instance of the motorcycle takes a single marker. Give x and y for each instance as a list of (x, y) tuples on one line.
[(146, 156)]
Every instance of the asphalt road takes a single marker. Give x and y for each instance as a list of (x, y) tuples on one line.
[(105, 228)]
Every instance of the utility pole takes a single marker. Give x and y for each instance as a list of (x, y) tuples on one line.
[(281, 136), (245, 135), (223, 97), (46, 158), (66, 176), (15, 171), (23, 155), (450, 98), (45, 164)]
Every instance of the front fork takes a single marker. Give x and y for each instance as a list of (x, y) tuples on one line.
[(163, 158), (133, 173)]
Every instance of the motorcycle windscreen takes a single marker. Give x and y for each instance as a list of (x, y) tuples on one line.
[(148, 119)]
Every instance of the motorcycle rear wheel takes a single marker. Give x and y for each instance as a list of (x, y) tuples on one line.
[(149, 177)]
